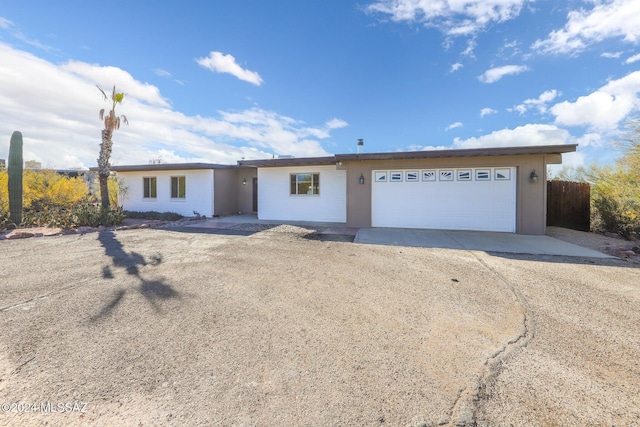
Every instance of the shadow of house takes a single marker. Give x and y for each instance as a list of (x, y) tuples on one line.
[(153, 291)]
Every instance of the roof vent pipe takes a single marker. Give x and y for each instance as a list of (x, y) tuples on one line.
[(360, 145)]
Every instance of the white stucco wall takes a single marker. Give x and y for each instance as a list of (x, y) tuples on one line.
[(275, 202), (199, 192)]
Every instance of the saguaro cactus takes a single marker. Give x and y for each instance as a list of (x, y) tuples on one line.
[(15, 177)]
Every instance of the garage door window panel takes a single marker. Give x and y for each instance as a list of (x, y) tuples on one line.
[(464, 175)]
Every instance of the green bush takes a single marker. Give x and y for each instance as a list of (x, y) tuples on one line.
[(5, 220), (85, 214), (163, 216), (93, 215), (620, 216)]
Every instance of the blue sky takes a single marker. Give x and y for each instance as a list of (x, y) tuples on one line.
[(218, 81)]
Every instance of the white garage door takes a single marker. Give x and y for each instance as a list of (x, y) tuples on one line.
[(453, 199)]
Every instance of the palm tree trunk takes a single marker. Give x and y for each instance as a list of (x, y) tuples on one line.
[(104, 168), (104, 191)]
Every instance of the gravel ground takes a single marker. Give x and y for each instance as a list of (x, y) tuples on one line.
[(161, 327), (595, 241), (582, 365)]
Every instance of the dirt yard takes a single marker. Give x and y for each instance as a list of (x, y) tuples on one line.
[(159, 327)]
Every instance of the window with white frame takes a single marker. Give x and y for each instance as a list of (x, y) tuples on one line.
[(178, 187), (305, 184), (149, 184)]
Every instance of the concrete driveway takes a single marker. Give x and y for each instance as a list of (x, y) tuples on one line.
[(443, 239), (160, 327), (475, 241)]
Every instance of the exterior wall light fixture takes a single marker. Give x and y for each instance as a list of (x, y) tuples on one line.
[(244, 181), (361, 180), (533, 178)]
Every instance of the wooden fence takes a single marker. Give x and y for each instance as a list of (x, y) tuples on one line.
[(568, 205)]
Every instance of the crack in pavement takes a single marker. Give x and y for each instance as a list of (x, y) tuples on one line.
[(464, 412), (48, 294)]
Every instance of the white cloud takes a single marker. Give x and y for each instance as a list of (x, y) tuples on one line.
[(539, 103), (611, 55), (56, 108), (221, 63), (604, 108), (471, 46), (162, 73), (336, 124), (15, 32), (455, 67), (487, 111), (494, 74), (632, 59), (531, 134), (590, 140), (5, 24), (607, 19), (105, 76), (166, 75), (452, 17), (453, 126), (415, 147)]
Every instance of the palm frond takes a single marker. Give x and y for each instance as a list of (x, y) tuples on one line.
[(102, 92), (102, 114), (124, 119)]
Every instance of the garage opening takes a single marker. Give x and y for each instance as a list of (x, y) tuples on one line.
[(475, 198)]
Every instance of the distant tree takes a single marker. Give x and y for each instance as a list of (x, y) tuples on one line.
[(631, 146), (568, 173), (615, 188), (156, 160), (111, 123)]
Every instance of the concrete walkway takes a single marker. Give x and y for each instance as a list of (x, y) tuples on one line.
[(446, 239), (474, 240), (227, 222)]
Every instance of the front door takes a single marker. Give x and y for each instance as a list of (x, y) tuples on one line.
[(255, 195)]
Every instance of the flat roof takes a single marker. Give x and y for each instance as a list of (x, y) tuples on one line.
[(289, 161), (404, 155), (330, 160), (468, 152), (169, 166)]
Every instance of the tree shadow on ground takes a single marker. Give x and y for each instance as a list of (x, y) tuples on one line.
[(154, 291)]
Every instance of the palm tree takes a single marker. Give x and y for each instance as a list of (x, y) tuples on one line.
[(111, 123)]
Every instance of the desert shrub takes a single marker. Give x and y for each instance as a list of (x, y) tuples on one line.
[(615, 188), (5, 221), (4, 190), (615, 199), (620, 216), (51, 199), (163, 216), (86, 213), (46, 189), (93, 215)]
